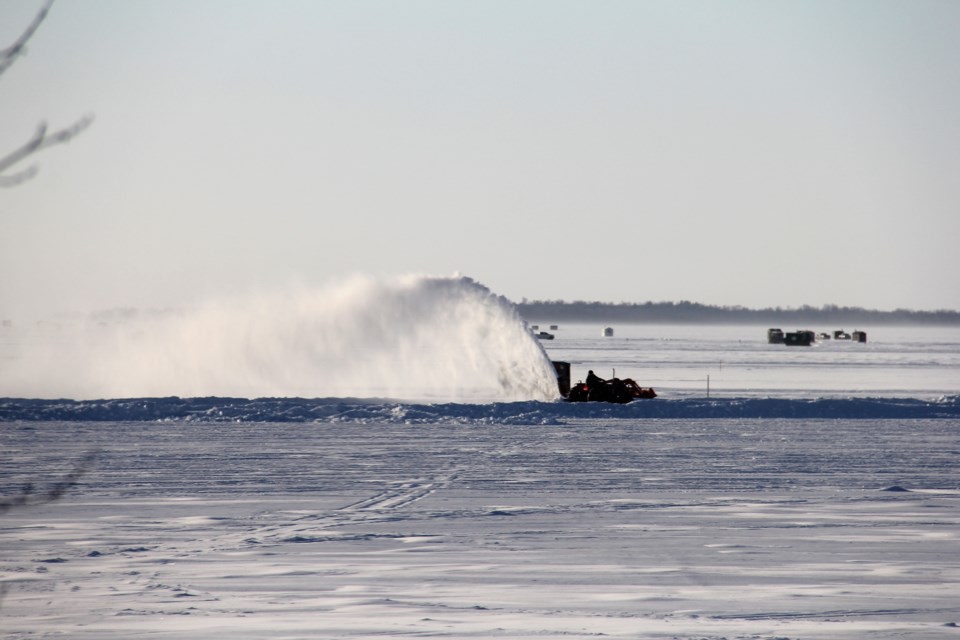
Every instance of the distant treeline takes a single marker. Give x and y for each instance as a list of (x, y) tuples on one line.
[(557, 311)]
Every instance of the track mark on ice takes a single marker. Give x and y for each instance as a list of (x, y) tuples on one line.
[(395, 496), (399, 494), (839, 613)]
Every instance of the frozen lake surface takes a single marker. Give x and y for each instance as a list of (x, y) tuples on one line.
[(727, 528), (815, 494)]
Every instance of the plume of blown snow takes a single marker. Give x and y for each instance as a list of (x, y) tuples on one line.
[(412, 337)]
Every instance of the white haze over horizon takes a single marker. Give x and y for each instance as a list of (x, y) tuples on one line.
[(411, 337), (743, 152)]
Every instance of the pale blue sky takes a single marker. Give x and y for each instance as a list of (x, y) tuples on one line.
[(743, 152)]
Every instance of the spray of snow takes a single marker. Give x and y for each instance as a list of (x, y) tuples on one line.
[(415, 338)]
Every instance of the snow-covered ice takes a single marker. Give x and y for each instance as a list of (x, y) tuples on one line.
[(632, 528)]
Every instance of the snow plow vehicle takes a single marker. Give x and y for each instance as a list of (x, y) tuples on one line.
[(612, 390), (597, 389)]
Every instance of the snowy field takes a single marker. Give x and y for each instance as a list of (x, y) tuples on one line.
[(813, 494)]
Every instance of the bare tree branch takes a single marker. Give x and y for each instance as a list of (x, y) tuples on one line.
[(29, 497), (40, 140), (9, 55)]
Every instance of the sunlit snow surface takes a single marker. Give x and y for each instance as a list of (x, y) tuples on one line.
[(793, 502)]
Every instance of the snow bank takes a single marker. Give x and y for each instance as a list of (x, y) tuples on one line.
[(356, 410)]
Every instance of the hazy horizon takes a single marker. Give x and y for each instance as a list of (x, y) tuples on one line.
[(120, 312), (42, 313)]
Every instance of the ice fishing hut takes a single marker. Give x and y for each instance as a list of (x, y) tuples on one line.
[(608, 332)]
